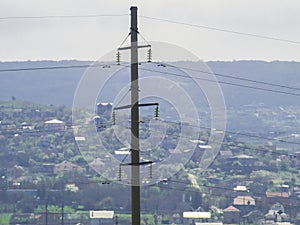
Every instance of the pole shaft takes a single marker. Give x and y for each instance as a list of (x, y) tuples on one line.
[(46, 212), (135, 145), (62, 212)]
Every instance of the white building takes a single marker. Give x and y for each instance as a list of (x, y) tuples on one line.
[(55, 125), (99, 217)]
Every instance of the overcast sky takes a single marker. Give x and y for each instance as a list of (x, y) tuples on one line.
[(90, 38)]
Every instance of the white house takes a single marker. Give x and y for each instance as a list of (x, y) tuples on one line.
[(55, 125), (102, 217)]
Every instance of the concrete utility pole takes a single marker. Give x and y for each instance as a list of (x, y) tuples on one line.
[(135, 117), (46, 211), (135, 145)]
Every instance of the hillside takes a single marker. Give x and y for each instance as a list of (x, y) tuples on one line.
[(57, 86)]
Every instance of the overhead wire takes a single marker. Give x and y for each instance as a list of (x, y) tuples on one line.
[(223, 82), (61, 16), (69, 127), (55, 67), (221, 188), (257, 196), (219, 29), (240, 78), (81, 66), (168, 73), (150, 18), (193, 25), (165, 184), (231, 197), (230, 145)]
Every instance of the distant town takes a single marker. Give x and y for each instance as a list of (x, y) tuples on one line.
[(45, 179)]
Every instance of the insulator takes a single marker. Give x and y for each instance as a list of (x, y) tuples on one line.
[(113, 116), (151, 171), (118, 58), (156, 114), (120, 173), (149, 55)]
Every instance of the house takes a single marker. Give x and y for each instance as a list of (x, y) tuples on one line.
[(104, 108), (48, 168), (80, 139), (253, 217), (225, 154), (296, 191), (97, 165), (209, 223), (66, 166), (295, 157), (276, 214), (26, 126), (55, 125), (240, 188), (231, 215), (15, 171), (244, 203), (123, 154), (277, 197), (100, 217), (99, 123), (245, 160), (192, 217)]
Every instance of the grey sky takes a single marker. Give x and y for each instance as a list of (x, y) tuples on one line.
[(90, 38)]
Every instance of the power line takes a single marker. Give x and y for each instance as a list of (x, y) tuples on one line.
[(167, 183), (223, 82), (230, 197), (252, 148), (239, 78), (56, 67), (69, 127), (150, 18), (220, 29), (45, 131), (94, 65), (229, 144), (236, 145), (61, 16), (195, 70), (241, 134), (170, 73)]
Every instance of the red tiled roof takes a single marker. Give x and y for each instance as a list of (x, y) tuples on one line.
[(277, 194), (231, 209), (244, 200)]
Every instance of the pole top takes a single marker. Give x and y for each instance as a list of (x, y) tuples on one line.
[(133, 8)]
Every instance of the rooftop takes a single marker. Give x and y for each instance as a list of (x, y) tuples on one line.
[(196, 215), (277, 194), (101, 214), (231, 209), (240, 188), (244, 200), (54, 121)]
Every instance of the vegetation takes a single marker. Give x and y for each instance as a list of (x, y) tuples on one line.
[(27, 149), (5, 218)]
